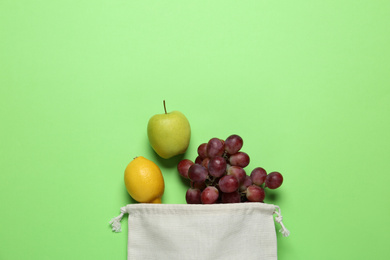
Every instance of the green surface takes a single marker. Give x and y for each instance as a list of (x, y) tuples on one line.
[(305, 83)]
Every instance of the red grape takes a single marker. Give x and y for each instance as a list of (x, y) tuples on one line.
[(198, 185), (228, 183), (183, 167), (273, 180), (237, 172), (233, 144), (215, 147), (209, 195), (233, 197), (205, 162), (193, 196), (258, 176), (198, 160), (202, 150), (217, 175), (197, 173), (246, 183), (239, 159), (255, 193), (217, 166)]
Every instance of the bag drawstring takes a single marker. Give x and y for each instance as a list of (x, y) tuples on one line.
[(116, 222), (279, 219)]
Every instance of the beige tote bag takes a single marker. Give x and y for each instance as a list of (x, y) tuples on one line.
[(195, 231)]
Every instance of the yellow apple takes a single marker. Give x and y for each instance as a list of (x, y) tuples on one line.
[(169, 133)]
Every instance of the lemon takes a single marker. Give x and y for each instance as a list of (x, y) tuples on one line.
[(144, 181)]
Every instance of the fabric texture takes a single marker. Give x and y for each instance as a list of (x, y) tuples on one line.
[(183, 231)]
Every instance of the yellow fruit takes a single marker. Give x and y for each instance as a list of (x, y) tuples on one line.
[(144, 181)]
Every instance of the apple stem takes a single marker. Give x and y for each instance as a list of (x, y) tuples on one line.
[(165, 109)]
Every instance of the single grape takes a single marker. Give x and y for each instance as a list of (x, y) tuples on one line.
[(215, 147), (237, 172), (217, 166), (233, 144), (205, 162), (202, 150), (197, 173), (228, 183), (233, 197), (255, 193), (183, 167), (245, 184), (198, 160), (239, 159), (209, 195), (273, 180), (258, 176), (193, 196), (198, 185)]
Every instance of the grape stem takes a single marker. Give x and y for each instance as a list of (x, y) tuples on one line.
[(209, 180)]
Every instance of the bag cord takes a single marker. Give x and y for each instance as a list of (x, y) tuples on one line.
[(279, 219), (116, 222)]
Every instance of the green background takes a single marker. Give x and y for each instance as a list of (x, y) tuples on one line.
[(305, 83)]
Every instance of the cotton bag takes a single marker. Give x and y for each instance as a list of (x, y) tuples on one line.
[(196, 231)]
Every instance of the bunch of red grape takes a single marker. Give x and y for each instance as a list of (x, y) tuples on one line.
[(218, 175)]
